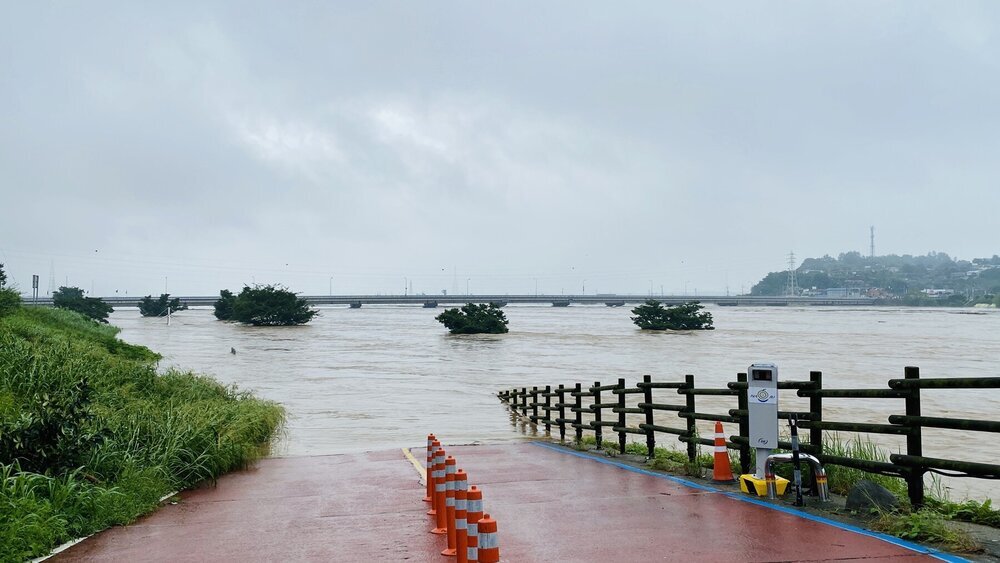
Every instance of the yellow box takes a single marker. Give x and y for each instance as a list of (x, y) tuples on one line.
[(760, 485)]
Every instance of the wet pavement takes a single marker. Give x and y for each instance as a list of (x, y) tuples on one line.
[(550, 504)]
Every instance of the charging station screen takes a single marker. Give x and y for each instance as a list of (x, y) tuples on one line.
[(761, 375)]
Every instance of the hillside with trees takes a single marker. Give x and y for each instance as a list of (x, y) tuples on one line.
[(935, 278)]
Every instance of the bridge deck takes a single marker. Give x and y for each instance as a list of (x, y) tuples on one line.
[(458, 300), (551, 505)]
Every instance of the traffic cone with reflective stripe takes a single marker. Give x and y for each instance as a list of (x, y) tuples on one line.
[(429, 469), (449, 503), (489, 544), (474, 513), (461, 514), (441, 513), (432, 465), (722, 472)]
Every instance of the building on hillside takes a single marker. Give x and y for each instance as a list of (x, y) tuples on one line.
[(842, 292)]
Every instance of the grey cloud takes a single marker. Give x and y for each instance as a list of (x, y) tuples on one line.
[(675, 143)]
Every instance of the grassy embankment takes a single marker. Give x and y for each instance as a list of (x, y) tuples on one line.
[(92, 437)]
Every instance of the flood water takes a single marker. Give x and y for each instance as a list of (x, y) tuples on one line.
[(382, 377)]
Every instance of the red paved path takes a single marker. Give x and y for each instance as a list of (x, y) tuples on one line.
[(550, 505)]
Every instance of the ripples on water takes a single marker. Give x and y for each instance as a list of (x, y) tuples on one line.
[(384, 376)]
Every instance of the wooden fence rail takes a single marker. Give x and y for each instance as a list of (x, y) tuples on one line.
[(572, 402)]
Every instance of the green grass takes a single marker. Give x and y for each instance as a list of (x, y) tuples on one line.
[(842, 479), (925, 525), (91, 436), (972, 511)]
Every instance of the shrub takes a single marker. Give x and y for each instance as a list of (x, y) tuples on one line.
[(10, 300), (688, 316), (269, 305), (149, 307), (72, 298), (484, 318), (224, 305)]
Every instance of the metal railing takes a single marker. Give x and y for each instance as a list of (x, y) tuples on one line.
[(910, 466)]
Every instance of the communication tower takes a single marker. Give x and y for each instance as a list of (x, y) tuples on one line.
[(792, 288), (871, 245)]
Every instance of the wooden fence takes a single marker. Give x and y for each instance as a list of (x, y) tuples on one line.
[(550, 406)]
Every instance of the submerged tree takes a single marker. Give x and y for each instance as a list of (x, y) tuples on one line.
[(268, 305), (224, 305), (72, 298), (687, 316), (149, 307), (485, 318)]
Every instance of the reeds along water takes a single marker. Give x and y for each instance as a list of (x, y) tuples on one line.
[(382, 377)]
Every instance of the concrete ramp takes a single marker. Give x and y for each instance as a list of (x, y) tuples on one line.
[(551, 504)]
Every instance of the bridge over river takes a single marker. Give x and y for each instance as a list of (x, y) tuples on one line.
[(611, 300)]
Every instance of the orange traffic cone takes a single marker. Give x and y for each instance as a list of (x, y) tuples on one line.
[(474, 513), (432, 474), (430, 469), (461, 515), (449, 503), (441, 513), (489, 544), (722, 472)]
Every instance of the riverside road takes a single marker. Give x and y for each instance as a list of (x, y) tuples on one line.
[(551, 504)]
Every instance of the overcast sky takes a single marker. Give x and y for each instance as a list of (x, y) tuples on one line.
[(613, 146)]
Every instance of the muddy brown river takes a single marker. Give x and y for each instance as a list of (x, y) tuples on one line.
[(384, 376)]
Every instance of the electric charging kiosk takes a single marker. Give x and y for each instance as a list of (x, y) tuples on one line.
[(762, 407)]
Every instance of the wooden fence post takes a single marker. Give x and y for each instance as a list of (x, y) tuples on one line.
[(914, 446), (647, 397), (579, 413), (524, 401), (548, 409), (692, 427), (621, 416), (816, 412), (743, 404), (561, 395), (534, 406), (598, 432)]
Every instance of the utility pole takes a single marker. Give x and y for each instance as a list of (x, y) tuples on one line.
[(52, 278)]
